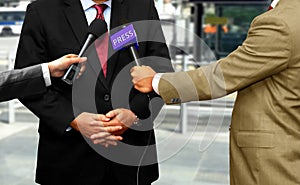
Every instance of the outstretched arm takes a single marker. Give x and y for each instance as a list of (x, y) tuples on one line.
[(31, 80)]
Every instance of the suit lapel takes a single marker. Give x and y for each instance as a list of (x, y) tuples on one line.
[(79, 26), (118, 17), (76, 18), (118, 14)]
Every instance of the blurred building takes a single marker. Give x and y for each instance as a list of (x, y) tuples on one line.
[(14, 3)]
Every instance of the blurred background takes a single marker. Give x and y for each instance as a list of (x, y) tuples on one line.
[(192, 138)]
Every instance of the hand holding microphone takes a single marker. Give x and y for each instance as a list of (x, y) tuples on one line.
[(59, 66), (95, 30), (142, 77)]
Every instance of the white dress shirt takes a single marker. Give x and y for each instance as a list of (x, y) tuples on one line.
[(90, 12), (46, 74), (155, 82)]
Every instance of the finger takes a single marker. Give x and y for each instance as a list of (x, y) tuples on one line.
[(113, 122), (99, 135), (82, 68), (132, 74), (134, 80), (106, 143), (100, 141), (111, 143), (133, 68), (101, 117), (137, 87), (76, 60), (106, 127), (68, 61), (82, 59), (97, 124), (112, 128), (105, 136), (112, 113), (70, 56), (114, 138), (119, 132), (100, 123), (79, 75)]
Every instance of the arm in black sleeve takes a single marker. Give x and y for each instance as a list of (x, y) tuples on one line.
[(53, 108)]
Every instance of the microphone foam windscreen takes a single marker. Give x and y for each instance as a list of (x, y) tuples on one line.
[(97, 27)]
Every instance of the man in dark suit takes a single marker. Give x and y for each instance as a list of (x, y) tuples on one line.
[(33, 80), (52, 28)]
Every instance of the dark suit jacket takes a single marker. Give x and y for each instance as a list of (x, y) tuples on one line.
[(21, 83), (57, 27)]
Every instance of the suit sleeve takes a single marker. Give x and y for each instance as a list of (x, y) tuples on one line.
[(21, 83), (53, 108), (265, 52)]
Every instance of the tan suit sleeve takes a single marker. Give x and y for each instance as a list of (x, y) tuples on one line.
[(266, 51)]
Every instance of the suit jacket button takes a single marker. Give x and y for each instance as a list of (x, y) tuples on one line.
[(106, 97)]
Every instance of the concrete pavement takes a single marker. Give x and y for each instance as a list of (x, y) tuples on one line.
[(184, 159)]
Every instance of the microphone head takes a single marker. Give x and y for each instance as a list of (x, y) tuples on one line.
[(97, 27), (124, 38)]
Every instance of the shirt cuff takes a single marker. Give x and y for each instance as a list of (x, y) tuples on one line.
[(155, 82), (46, 74)]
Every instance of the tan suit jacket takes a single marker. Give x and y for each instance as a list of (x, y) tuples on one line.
[(265, 71)]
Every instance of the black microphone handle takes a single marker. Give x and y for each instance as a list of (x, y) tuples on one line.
[(134, 54), (73, 69)]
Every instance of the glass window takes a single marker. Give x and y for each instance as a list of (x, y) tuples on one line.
[(226, 26), (12, 16)]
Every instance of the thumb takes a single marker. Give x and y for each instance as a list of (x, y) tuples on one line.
[(112, 113)]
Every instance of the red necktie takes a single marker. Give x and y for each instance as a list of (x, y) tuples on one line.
[(273, 4), (102, 44), (270, 7)]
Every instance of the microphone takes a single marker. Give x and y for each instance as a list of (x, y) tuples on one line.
[(95, 30), (126, 38)]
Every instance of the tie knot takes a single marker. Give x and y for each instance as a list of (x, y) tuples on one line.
[(100, 9)]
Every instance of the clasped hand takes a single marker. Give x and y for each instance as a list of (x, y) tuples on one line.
[(104, 129)]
